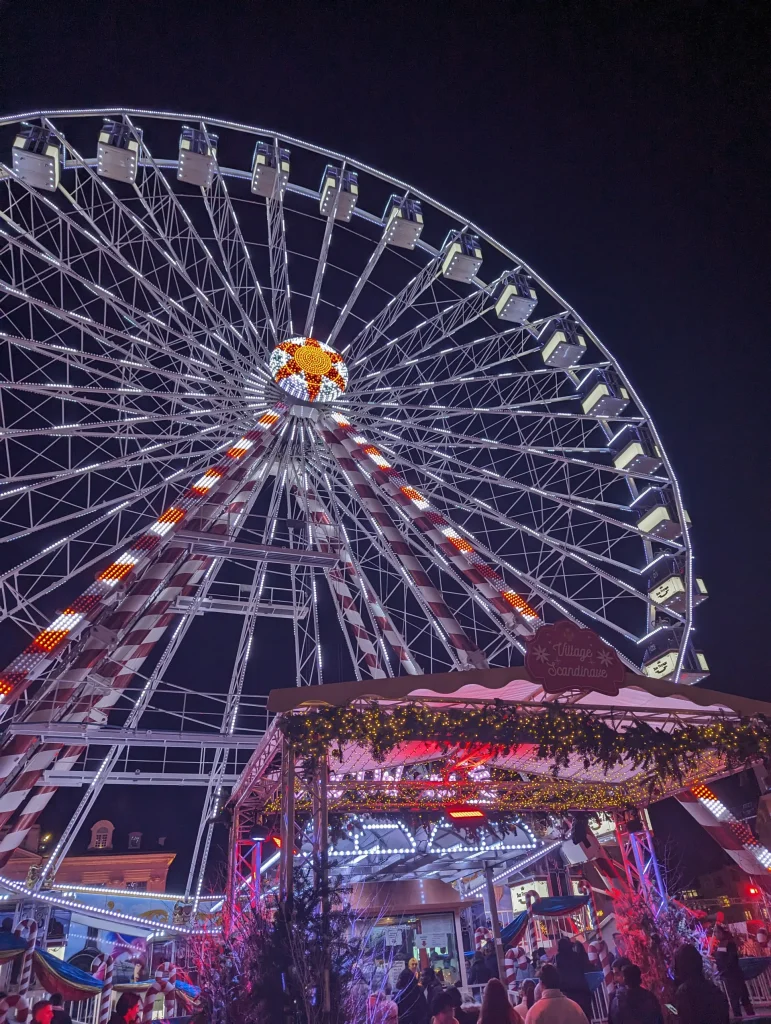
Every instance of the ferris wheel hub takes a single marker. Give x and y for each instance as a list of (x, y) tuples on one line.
[(309, 369)]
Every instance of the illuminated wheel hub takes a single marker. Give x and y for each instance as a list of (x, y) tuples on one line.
[(309, 369)]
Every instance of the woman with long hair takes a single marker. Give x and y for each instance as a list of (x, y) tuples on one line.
[(496, 1008), (528, 998)]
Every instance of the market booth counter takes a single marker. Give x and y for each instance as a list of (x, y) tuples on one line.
[(412, 920)]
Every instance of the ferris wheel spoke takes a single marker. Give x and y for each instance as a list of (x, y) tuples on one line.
[(242, 282), (321, 264), (510, 463), (123, 369), (281, 294), (121, 229), (77, 243), (37, 265), (446, 492), (440, 327), (358, 287), (458, 360), (376, 328)]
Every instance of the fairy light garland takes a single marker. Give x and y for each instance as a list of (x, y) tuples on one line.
[(557, 734)]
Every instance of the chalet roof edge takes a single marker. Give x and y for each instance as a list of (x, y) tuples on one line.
[(339, 694)]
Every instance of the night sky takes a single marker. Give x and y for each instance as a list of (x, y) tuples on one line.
[(622, 149)]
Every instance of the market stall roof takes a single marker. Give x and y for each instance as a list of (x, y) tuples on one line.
[(585, 781), (515, 685)]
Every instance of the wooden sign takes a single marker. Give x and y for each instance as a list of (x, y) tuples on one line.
[(561, 656)]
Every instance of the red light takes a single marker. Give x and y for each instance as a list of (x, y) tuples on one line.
[(462, 813), (753, 890)]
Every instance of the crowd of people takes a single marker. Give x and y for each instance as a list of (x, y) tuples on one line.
[(560, 993)]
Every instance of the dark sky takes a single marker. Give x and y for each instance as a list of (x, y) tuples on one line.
[(622, 149)]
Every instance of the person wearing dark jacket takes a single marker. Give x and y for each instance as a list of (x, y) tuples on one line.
[(727, 963), (479, 974), (633, 1004), (126, 1009), (573, 981), (697, 1000), (491, 960), (430, 984), (409, 998), (60, 1014)]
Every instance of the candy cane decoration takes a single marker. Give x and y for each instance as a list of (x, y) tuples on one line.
[(515, 960), (166, 984), (600, 954), (27, 929), (105, 996), (587, 890), (481, 936), (532, 927), (21, 1005)]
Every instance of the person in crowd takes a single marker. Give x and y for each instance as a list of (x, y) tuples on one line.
[(496, 1008), (617, 967), (443, 1008), (479, 974), (554, 1007), (60, 1014), (573, 983), (697, 1000), (42, 1012), (491, 960), (409, 999), (527, 998), (381, 1009), (727, 963), (583, 956), (633, 1004), (430, 984), (462, 1016), (126, 1009)]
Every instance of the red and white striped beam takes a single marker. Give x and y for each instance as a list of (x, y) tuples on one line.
[(728, 832), (136, 640), (383, 621), (466, 651), (459, 550)]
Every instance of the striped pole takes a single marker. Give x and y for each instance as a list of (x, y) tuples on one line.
[(105, 996), (532, 927), (599, 954), (27, 929), (587, 890)]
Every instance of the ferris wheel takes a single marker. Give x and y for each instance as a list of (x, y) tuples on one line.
[(246, 376)]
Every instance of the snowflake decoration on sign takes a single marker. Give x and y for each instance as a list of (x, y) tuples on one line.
[(309, 369), (541, 654), (605, 658)]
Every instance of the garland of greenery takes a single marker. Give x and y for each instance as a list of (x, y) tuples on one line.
[(557, 732)]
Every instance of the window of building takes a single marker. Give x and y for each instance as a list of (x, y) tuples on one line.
[(101, 835), (135, 840), (140, 886)]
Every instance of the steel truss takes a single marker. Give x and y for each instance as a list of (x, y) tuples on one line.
[(452, 499)]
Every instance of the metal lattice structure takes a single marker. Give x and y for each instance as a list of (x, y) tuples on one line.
[(229, 391)]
